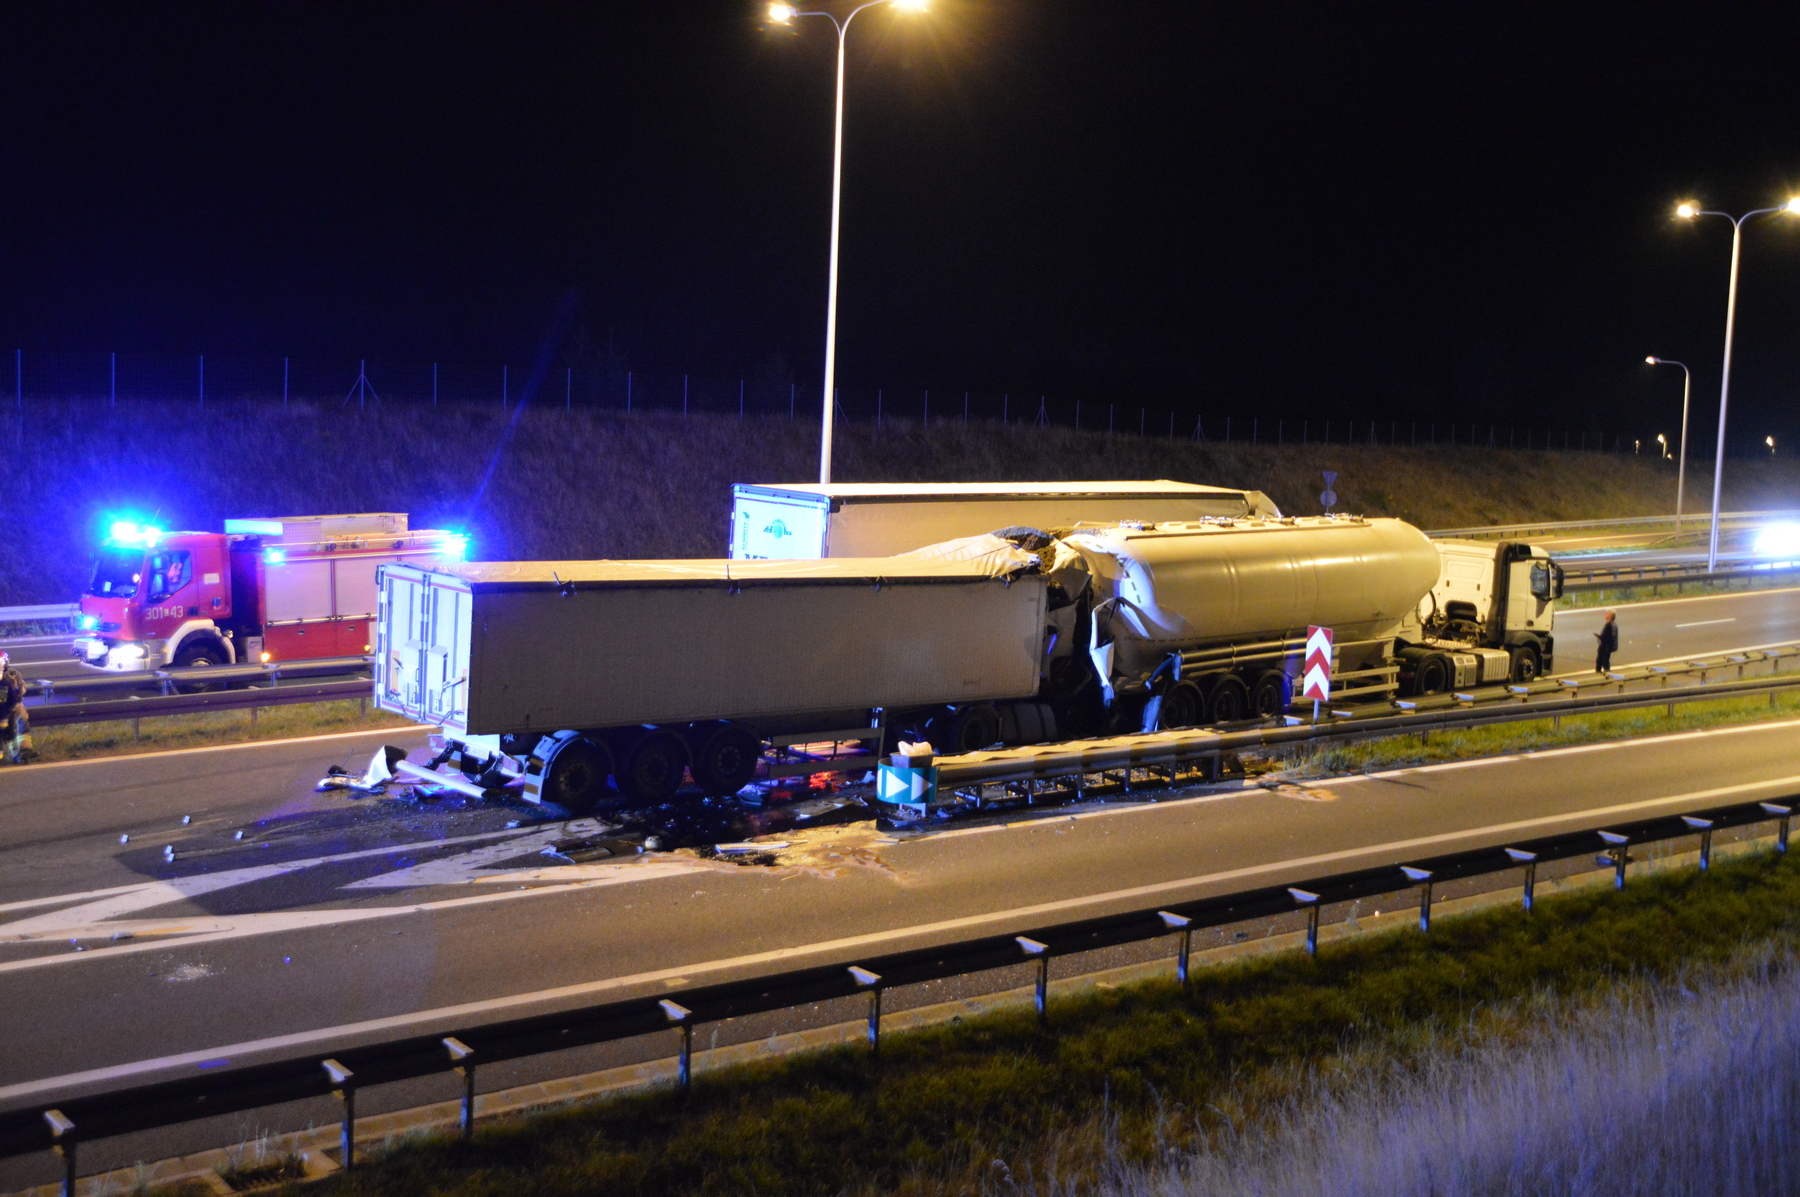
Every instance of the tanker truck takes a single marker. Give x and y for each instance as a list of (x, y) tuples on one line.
[(571, 675)]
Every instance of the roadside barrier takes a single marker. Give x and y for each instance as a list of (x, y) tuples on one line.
[(60, 1121)]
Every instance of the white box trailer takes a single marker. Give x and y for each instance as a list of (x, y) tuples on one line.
[(868, 519), (674, 654)]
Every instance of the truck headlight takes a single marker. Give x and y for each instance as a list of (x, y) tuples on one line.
[(125, 656)]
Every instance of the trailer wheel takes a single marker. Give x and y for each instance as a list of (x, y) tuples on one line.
[(966, 729), (1525, 667), (652, 771), (1229, 700), (575, 776), (725, 759), (1268, 695), (1433, 676), (1182, 706)]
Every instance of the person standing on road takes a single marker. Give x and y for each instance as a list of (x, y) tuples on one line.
[(15, 726), (1608, 636)]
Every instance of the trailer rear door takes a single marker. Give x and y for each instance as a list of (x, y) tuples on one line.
[(422, 646)]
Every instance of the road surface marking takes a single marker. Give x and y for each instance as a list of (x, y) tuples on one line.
[(1704, 622), (686, 974), (138, 756)]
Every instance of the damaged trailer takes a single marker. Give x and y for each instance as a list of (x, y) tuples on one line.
[(573, 674), (576, 671)]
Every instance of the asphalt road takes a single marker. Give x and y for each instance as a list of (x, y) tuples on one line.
[(331, 911), (1680, 629)]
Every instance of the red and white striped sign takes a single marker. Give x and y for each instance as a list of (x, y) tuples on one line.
[(1315, 674)]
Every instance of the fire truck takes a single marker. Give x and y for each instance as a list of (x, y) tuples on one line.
[(262, 591)]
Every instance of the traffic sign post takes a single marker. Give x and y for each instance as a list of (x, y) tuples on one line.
[(1315, 671)]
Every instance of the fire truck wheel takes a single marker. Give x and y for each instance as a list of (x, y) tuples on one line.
[(1525, 667), (653, 767), (576, 776), (1228, 702), (725, 759), (1182, 706), (1267, 694), (199, 654)]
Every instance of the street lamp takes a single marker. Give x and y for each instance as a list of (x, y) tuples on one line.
[(1689, 211), (1687, 385), (1770, 441), (782, 14)]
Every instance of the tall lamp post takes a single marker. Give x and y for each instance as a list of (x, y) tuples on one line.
[(1687, 386), (782, 14), (1689, 212)]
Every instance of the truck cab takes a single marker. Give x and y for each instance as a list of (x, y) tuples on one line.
[(150, 590), (1490, 618)]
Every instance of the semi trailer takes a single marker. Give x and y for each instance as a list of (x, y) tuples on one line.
[(263, 590), (880, 519), (569, 674)]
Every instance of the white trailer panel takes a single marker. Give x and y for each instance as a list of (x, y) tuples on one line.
[(881, 519), (546, 646)]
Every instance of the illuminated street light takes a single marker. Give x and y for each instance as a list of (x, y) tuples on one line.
[(1687, 385), (1662, 443), (1688, 211), (783, 14), (1770, 441)]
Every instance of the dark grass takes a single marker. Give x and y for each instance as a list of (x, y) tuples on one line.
[(551, 485), (1128, 1074)]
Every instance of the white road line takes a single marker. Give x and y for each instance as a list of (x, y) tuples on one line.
[(137, 757), (1704, 622), (688, 973)]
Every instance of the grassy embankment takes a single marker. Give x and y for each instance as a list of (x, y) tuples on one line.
[(1131, 1077), (585, 484)]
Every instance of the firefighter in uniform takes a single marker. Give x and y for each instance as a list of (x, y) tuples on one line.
[(15, 726)]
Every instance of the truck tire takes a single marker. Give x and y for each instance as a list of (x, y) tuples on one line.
[(1268, 695), (1525, 664), (1434, 674), (575, 776), (966, 729), (1229, 700), (1182, 706), (653, 767), (725, 757), (199, 653)]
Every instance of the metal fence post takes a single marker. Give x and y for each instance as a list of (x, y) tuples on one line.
[(1782, 814), (679, 1015), (1176, 922), (62, 1134), (1529, 860), (1032, 947), (284, 385), (1618, 847), (504, 385), (19, 379), (345, 1080), (459, 1056), (871, 982), (1705, 828), (112, 385), (628, 392), (203, 382), (569, 389), (434, 367), (1422, 878), (1311, 902)]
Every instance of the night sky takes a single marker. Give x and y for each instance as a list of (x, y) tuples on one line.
[(1451, 210)]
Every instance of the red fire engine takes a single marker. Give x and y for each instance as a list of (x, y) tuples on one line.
[(286, 589)]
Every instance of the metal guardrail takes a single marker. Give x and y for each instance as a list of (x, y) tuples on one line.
[(62, 1121), (170, 680), (59, 714), (46, 611), (1612, 577), (1699, 519), (1167, 750)]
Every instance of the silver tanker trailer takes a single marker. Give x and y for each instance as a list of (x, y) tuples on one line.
[(574, 673)]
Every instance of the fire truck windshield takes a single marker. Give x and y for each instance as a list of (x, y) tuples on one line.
[(116, 573)]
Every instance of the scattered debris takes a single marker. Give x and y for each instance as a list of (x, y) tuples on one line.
[(124, 839), (186, 819)]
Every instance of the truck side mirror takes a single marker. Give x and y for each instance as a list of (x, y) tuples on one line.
[(1540, 581)]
